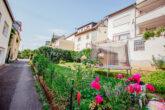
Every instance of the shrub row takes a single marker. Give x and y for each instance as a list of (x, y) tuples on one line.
[(55, 54)]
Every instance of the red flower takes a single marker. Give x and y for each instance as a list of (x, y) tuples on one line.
[(95, 85), (120, 76), (134, 88), (78, 98), (116, 76), (137, 88), (130, 89), (130, 79), (150, 88), (98, 99), (137, 77), (97, 79)]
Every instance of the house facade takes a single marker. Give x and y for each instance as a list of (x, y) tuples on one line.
[(121, 24), (6, 20), (150, 15), (129, 24), (14, 42), (62, 43), (89, 34)]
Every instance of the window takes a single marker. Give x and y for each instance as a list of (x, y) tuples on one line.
[(139, 45), (124, 36), (116, 38), (87, 37), (121, 37), (79, 38), (5, 29)]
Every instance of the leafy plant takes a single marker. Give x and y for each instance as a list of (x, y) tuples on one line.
[(159, 63), (156, 79), (148, 34), (159, 31)]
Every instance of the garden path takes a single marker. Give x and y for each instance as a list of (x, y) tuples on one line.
[(17, 91)]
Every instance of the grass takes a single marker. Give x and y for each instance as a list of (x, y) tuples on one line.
[(147, 77)]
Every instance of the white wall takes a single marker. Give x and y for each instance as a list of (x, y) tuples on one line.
[(143, 58), (71, 38), (83, 41), (122, 23), (3, 39)]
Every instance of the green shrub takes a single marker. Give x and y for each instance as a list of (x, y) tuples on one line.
[(148, 34), (157, 79), (159, 31), (159, 63)]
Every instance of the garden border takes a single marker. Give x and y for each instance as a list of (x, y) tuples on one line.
[(47, 92)]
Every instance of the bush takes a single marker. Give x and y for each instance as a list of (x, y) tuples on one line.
[(148, 34), (156, 79), (159, 63)]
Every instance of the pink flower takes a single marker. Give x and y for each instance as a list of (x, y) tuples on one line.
[(134, 88), (130, 89), (137, 88), (116, 76), (150, 88), (95, 85), (98, 99), (130, 79), (137, 77), (120, 76), (97, 79), (126, 81)]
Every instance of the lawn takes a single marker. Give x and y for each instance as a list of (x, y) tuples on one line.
[(157, 79)]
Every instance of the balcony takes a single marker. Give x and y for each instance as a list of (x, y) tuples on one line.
[(139, 1), (153, 16), (145, 6)]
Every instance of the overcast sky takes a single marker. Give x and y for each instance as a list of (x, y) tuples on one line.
[(40, 18)]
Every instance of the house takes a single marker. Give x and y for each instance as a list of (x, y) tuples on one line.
[(121, 24), (60, 42), (129, 24), (14, 41), (89, 34), (71, 37), (6, 21), (150, 15)]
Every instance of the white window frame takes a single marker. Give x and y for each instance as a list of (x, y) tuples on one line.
[(139, 45)]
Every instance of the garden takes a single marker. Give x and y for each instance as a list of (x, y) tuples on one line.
[(71, 82)]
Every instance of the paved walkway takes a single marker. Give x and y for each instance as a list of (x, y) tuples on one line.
[(17, 91)]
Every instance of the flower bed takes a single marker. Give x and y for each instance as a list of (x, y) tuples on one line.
[(82, 88)]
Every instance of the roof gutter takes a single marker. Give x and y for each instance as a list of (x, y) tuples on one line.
[(9, 9)]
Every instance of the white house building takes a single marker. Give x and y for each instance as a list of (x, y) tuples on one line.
[(90, 33), (6, 20), (129, 24), (150, 15), (121, 24)]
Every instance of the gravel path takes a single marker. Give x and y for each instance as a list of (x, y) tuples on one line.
[(17, 91)]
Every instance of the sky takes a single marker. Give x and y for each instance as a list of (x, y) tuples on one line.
[(41, 18)]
